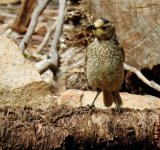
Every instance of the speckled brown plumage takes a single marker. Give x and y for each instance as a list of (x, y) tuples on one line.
[(104, 65)]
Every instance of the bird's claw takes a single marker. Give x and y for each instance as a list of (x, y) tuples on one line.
[(119, 108), (90, 106)]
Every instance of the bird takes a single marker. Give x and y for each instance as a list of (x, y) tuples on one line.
[(105, 59)]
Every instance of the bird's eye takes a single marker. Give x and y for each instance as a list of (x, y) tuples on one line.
[(104, 27)]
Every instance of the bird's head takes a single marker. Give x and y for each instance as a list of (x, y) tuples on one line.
[(102, 29)]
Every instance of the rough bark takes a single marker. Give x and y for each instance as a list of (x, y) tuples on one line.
[(137, 25), (61, 127)]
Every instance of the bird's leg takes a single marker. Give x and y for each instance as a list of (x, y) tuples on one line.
[(92, 104), (118, 106)]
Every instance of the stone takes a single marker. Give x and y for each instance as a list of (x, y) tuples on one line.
[(21, 83), (77, 98)]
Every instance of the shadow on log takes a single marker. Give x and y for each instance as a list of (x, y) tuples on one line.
[(62, 127)]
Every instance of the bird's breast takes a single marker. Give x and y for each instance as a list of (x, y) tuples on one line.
[(104, 65)]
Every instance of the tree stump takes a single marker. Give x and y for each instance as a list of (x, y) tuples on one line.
[(137, 25)]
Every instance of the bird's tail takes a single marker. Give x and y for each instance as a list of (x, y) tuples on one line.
[(112, 96), (107, 98), (117, 98)]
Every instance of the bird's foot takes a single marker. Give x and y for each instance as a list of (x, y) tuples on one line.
[(119, 108), (90, 106)]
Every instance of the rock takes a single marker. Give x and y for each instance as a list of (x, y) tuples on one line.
[(15, 70), (70, 97), (77, 98), (21, 83)]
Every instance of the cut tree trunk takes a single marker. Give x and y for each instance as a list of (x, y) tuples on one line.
[(62, 127), (137, 25)]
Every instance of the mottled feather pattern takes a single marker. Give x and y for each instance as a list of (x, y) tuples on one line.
[(105, 65)]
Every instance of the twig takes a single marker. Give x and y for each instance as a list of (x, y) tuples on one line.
[(53, 51), (42, 65), (46, 38), (34, 19), (52, 62), (8, 32), (5, 28), (8, 15), (151, 83), (38, 57)]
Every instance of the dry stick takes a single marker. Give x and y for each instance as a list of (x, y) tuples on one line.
[(152, 84), (8, 32), (8, 15), (43, 65), (34, 19), (52, 62), (53, 51), (6, 28), (46, 38)]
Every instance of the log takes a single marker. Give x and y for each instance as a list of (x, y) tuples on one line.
[(137, 25), (64, 127)]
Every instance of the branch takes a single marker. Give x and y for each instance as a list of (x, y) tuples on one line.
[(52, 62), (54, 46), (5, 28), (34, 19), (62, 127), (47, 36), (43, 65), (151, 83)]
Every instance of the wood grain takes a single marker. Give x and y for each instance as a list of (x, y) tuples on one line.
[(137, 24)]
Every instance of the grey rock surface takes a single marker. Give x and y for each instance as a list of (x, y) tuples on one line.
[(20, 82)]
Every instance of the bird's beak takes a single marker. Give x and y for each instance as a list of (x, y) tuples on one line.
[(90, 27)]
